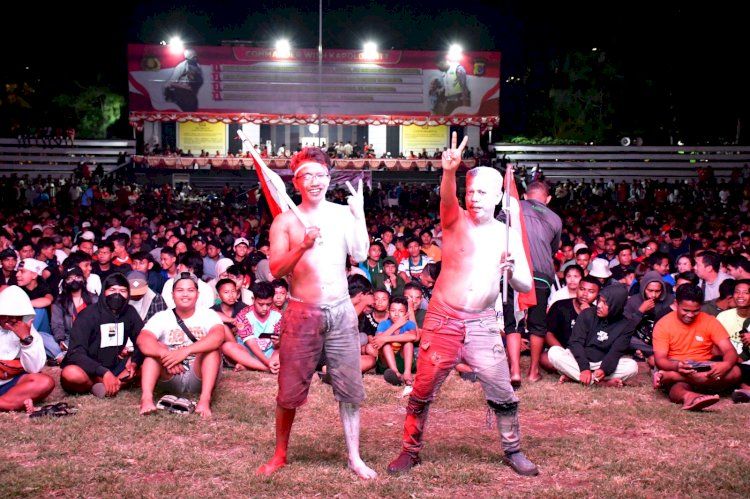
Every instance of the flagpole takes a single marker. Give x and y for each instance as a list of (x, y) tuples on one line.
[(506, 209), (282, 192)]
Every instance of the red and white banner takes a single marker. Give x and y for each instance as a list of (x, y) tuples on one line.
[(246, 84), (510, 196)]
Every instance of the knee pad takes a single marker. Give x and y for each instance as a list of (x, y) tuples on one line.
[(416, 406), (504, 408)]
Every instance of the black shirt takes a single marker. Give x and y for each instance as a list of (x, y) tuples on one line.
[(39, 291), (561, 317), (368, 325), (103, 274)]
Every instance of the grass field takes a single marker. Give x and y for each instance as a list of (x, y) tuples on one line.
[(602, 442)]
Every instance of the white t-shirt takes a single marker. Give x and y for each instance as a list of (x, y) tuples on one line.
[(164, 326)]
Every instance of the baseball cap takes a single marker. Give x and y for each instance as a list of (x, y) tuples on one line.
[(33, 265), (137, 283), (88, 236), (240, 240), (85, 225)]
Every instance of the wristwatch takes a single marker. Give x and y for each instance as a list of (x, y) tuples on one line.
[(27, 341)]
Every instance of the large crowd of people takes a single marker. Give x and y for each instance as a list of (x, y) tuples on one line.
[(123, 285)]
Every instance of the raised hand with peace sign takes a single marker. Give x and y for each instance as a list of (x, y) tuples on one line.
[(452, 157), (356, 201)]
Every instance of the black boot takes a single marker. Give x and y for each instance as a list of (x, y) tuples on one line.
[(510, 438)]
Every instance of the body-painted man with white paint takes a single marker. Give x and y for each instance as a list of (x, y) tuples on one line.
[(310, 247)]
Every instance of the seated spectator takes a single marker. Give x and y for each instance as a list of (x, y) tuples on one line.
[(373, 267), (735, 320), (29, 279), (191, 263), (660, 263), (396, 336), (21, 353), (8, 260), (181, 348), (257, 328), (688, 335), (573, 274), (363, 301), (280, 295), (724, 301), (600, 270), (645, 309), (687, 277), (143, 262), (623, 265), (562, 316), (168, 261), (583, 259), (73, 299), (84, 262), (142, 298), (708, 268), (411, 267), (414, 295), (429, 248), (121, 258), (738, 267), (392, 282), (103, 265), (599, 340), (98, 359)]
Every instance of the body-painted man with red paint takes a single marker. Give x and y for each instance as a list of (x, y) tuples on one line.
[(461, 323)]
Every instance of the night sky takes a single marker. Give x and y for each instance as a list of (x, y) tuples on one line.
[(698, 55)]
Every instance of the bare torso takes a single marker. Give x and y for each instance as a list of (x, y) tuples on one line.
[(470, 277), (319, 276)]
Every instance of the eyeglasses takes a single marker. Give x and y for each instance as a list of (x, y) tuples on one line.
[(307, 177)]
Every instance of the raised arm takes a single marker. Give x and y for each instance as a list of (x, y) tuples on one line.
[(449, 207), (357, 238)]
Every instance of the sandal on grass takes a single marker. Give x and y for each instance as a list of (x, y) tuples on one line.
[(182, 406), (165, 403), (56, 410)]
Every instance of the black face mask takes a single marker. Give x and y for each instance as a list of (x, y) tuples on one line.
[(116, 302), (74, 285)]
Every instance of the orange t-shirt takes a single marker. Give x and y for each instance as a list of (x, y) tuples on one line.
[(688, 341)]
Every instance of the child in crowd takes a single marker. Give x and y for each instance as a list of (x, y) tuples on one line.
[(396, 336), (257, 333)]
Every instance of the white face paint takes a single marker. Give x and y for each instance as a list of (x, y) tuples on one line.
[(311, 180), (482, 195)]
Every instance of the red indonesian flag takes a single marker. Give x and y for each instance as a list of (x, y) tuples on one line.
[(510, 196), (273, 186)]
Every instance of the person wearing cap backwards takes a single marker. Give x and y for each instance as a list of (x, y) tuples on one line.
[(174, 362), (29, 279), (98, 359), (461, 323), (142, 298), (21, 350), (320, 314)]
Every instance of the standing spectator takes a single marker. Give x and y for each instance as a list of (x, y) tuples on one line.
[(544, 229)]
